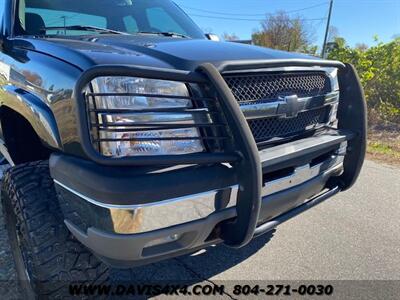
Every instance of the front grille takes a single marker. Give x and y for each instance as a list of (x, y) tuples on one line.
[(254, 88), (268, 128), (250, 88)]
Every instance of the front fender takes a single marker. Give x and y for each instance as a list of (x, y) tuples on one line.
[(35, 111)]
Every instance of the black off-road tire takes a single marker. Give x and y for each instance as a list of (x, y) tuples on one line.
[(47, 257)]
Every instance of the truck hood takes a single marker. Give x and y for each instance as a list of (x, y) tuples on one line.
[(151, 51)]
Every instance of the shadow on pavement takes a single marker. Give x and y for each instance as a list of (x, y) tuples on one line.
[(192, 269)]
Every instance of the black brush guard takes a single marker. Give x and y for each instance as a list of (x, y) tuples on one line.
[(243, 156)]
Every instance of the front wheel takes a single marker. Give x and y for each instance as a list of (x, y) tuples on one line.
[(47, 257)]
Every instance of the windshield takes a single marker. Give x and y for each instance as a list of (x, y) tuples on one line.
[(83, 17)]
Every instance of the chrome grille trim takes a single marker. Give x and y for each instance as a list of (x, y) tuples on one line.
[(279, 108)]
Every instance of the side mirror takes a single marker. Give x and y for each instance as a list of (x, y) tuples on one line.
[(213, 37)]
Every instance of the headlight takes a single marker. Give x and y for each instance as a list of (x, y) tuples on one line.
[(333, 75), (133, 117)]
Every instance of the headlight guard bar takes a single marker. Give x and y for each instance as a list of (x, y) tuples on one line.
[(84, 122)]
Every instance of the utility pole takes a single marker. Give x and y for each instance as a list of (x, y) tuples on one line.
[(328, 24), (65, 24)]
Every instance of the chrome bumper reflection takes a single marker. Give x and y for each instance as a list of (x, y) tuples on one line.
[(149, 217)]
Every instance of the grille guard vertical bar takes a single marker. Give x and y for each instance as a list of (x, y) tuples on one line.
[(352, 115), (241, 231)]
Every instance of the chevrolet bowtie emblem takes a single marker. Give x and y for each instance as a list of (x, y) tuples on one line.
[(290, 106), (286, 106)]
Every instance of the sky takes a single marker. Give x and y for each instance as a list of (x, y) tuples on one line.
[(358, 21)]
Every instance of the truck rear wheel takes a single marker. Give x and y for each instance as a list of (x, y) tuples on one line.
[(47, 257)]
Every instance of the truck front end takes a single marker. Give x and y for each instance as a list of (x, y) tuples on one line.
[(130, 138), (181, 160)]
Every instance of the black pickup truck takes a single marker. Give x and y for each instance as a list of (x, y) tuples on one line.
[(132, 137)]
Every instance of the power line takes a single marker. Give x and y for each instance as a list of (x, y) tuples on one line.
[(241, 19), (251, 15)]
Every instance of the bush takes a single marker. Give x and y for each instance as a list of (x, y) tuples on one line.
[(379, 70)]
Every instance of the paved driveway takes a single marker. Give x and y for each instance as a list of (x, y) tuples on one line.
[(354, 236)]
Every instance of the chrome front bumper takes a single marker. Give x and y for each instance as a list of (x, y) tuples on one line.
[(297, 176), (183, 226), (136, 219)]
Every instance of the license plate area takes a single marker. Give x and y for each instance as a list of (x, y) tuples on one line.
[(328, 163)]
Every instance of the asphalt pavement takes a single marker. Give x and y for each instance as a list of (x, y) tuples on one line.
[(353, 236)]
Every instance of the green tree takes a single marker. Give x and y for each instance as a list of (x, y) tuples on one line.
[(283, 32), (379, 70)]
